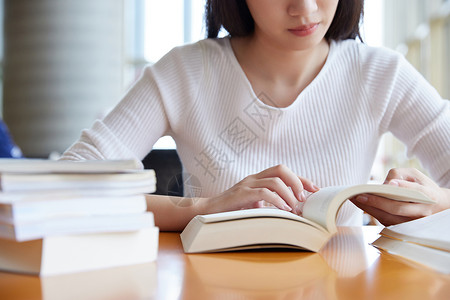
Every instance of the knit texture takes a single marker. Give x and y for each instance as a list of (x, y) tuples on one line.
[(199, 95)]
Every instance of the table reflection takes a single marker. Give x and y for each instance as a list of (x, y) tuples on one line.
[(255, 274), (349, 253), (279, 274)]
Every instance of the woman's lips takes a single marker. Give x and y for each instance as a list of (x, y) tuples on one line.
[(304, 30)]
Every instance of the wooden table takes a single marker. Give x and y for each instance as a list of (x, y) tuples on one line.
[(347, 268)]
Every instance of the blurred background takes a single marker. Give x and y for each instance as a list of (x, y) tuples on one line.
[(67, 62)]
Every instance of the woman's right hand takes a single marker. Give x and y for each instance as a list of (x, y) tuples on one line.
[(277, 186)]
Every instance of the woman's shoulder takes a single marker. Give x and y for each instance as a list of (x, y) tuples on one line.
[(205, 47), (192, 57), (365, 54)]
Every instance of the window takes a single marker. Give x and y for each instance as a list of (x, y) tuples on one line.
[(171, 23)]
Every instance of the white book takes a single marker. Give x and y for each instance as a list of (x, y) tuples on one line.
[(59, 205), (25, 231), (29, 165), (56, 194), (32, 182), (435, 259), (431, 231), (425, 241), (137, 281), (79, 253)]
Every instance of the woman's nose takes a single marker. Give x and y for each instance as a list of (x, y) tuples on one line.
[(302, 7)]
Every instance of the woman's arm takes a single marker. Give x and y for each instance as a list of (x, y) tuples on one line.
[(413, 111), (390, 212)]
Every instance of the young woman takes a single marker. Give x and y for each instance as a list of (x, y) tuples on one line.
[(289, 101)]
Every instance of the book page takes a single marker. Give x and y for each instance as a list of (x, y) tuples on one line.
[(322, 206), (317, 205), (255, 213)]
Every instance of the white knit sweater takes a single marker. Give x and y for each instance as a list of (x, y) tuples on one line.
[(199, 95)]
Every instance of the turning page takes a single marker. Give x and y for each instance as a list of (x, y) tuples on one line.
[(320, 207)]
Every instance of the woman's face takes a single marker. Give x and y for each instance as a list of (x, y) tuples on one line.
[(292, 24)]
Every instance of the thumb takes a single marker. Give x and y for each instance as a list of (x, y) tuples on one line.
[(402, 183), (407, 184)]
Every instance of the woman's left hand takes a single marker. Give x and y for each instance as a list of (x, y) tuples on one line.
[(390, 212)]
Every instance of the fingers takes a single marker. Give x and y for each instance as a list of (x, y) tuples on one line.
[(408, 175), (270, 197), (308, 184), (393, 207), (409, 185), (389, 211), (277, 186), (242, 196), (402, 174), (296, 183), (382, 216)]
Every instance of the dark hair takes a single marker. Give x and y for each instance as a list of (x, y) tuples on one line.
[(234, 16)]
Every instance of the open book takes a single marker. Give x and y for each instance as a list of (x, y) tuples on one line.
[(274, 228)]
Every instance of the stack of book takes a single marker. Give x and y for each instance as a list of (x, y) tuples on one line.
[(425, 241), (62, 216)]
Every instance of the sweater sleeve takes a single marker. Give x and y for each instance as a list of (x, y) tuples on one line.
[(412, 110), (152, 108)]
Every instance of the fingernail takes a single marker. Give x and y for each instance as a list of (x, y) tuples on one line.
[(299, 208), (394, 182), (362, 198), (316, 187), (302, 197), (287, 207), (298, 195)]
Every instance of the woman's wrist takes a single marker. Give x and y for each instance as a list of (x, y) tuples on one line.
[(173, 213)]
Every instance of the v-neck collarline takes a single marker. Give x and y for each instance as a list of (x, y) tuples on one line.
[(238, 67)]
